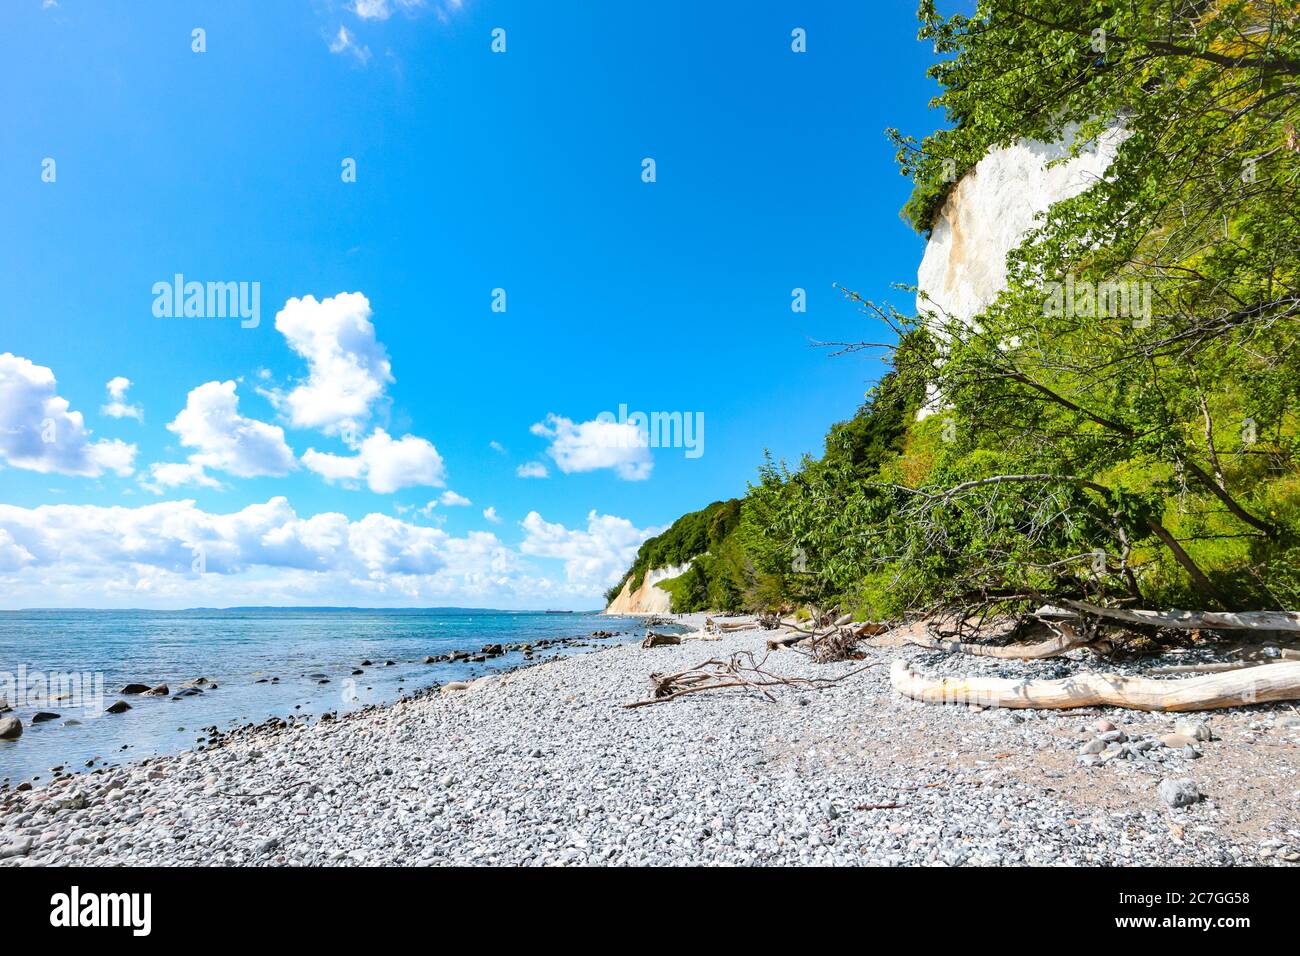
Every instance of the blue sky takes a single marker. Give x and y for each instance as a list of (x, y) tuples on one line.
[(295, 462)]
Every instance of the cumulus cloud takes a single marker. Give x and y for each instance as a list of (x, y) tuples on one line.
[(600, 443), (532, 469), (490, 512), (224, 441), (450, 499), (13, 555), (594, 558), (385, 464), (173, 554), (39, 431), (117, 406), (173, 474), (347, 367), (175, 550)]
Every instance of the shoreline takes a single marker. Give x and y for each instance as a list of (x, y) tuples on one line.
[(543, 765), (215, 689)]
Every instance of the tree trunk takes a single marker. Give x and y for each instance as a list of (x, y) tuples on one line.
[(1250, 685)]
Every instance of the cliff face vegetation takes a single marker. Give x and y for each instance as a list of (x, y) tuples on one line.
[(1096, 395)]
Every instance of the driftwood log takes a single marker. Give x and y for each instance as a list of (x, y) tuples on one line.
[(1249, 685), (656, 639)]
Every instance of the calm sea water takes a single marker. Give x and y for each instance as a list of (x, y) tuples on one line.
[(236, 648)]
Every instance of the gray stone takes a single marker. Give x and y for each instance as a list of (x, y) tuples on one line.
[(1179, 793), (1196, 729), (19, 847), (11, 728)]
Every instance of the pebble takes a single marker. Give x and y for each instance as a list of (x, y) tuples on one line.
[(544, 766)]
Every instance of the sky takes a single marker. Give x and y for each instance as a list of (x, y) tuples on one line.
[(355, 302)]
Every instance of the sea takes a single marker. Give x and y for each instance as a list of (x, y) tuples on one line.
[(264, 662)]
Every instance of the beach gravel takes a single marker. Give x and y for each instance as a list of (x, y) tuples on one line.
[(544, 766)]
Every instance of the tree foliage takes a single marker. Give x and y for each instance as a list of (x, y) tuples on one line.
[(1133, 440)]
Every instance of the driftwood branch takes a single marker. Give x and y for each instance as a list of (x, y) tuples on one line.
[(739, 670)]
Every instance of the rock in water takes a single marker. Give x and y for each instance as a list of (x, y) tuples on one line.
[(1179, 793), (41, 716), (120, 707), (11, 728), (160, 691), (134, 689)]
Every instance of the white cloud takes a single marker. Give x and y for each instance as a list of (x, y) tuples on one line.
[(13, 556), (497, 447), (450, 499), (593, 559), (385, 464), (588, 446), (38, 431), (347, 367), (532, 469), (146, 556), (372, 9), (265, 553), (117, 406), (490, 512), (173, 474), (225, 441), (381, 9), (345, 42)]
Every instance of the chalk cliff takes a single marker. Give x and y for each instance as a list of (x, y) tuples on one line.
[(647, 599), (989, 211)]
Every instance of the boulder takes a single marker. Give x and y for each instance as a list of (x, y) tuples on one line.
[(11, 728), (120, 707), (1196, 729), (41, 716), (134, 689), (1179, 793), (160, 690)]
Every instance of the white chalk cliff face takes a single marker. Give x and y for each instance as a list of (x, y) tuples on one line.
[(988, 213), (647, 599)]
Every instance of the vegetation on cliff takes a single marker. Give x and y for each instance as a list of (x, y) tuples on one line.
[(1132, 438)]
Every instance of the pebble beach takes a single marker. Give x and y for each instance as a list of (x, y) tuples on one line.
[(545, 766)]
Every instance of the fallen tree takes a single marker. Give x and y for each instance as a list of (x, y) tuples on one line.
[(1287, 621), (1248, 685)]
